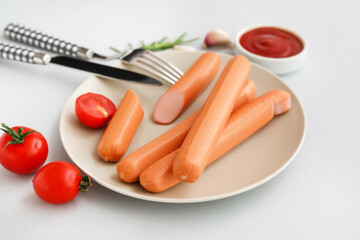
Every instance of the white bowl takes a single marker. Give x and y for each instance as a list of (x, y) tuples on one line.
[(276, 65)]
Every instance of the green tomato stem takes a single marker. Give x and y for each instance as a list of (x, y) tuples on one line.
[(85, 183), (17, 137)]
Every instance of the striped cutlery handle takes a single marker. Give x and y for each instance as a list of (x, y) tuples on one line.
[(18, 53), (31, 37)]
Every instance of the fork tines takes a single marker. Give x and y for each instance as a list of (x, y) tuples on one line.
[(152, 63)]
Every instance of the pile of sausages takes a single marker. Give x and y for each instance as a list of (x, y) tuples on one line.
[(230, 114)]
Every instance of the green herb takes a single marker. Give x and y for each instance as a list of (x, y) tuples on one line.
[(159, 45)]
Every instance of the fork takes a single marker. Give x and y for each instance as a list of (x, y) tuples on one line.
[(143, 59)]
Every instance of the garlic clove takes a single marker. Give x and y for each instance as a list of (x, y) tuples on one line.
[(217, 37), (183, 48)]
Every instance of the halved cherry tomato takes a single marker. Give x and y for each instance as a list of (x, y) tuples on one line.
[(59, 182), (94, 110), (22, 150)]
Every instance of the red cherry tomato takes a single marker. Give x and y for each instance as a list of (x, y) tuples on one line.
[(59, 182), (94, 110), (22, 150)]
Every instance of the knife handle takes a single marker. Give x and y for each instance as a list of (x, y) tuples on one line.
[(38, 39), (21, 54)]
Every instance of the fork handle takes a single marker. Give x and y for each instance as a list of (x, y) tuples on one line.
[(17, 53), (38, 39)]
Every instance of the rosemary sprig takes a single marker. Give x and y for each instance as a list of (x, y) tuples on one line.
[(162, 44)]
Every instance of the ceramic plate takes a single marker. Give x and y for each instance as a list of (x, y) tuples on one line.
[(255, 161)]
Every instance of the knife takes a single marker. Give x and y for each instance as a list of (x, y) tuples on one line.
[(17, 53)]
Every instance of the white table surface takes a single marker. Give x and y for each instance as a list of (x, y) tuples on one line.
[(316, 197)]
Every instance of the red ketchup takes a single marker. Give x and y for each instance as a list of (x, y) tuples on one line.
[(271, 42)]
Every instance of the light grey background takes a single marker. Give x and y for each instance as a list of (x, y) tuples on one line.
[(316, 197)]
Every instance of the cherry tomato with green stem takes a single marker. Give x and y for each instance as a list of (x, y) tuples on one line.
[(22, 149), (60, 182)]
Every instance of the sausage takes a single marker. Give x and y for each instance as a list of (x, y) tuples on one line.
[(200, 142), (131, 166), (242, 123), (121, 129), (180, 95)]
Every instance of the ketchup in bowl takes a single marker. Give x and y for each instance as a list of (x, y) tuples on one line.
[(271, 42)]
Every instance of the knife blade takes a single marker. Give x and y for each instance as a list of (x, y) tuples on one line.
[(103, 70), (18, 53)]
